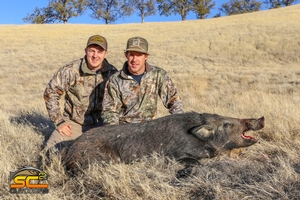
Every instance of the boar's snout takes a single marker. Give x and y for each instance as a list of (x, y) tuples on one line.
[(255, 124)]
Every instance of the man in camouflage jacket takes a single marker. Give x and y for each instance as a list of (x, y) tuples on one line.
[(131, 94), (82, 82)]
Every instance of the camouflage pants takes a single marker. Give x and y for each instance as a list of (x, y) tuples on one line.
[(57, 140)]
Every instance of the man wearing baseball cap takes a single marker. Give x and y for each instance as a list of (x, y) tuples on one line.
[(131, 94), (82, 84)]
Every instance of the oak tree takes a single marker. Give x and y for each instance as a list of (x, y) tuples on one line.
[(181, 7), (145, 8), (110, 10), (278, 3), (57, 11), (234, 7), (202, 8)]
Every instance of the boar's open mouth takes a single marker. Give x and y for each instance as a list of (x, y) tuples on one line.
[(247, 137), (254, 126)]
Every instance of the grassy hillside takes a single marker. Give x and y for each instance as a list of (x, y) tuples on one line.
[(241, 66)]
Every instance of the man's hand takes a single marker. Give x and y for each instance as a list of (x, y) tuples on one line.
[(65, 129)]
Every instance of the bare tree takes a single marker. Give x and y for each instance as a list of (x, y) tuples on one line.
[(57, 10), (110, 10), (181, 7), (234, 7), (145, 8), (202, 8)]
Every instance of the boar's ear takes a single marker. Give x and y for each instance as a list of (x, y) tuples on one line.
[(203, 132)]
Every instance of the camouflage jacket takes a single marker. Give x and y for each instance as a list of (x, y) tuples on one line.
[(83, 90), (125, 101)]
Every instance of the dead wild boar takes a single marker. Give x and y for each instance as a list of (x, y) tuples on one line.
[(184, 137)]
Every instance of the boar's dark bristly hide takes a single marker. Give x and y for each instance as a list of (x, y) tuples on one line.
[(184, 137)]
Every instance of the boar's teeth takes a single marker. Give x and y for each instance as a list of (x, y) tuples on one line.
[(247, 137)]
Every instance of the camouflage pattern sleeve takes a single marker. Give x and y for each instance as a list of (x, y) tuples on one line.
[(169, 95), (57, 87), (111, 104)]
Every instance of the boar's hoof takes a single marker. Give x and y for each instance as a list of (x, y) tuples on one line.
[(184, 173)]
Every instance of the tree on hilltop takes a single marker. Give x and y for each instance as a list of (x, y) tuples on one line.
[(37, 17), (234, 7), (287, 2), (202, 8), (57, 11), (181, 7), (110, 10), (145, 8), (278, 3), (273, 3)]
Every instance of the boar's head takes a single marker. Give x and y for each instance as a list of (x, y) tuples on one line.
[(226, 133)]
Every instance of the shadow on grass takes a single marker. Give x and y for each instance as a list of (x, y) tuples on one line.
[(40, 124), (37, 121)]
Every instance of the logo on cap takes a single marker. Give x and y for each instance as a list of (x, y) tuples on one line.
[(97, 39), (136, 42)]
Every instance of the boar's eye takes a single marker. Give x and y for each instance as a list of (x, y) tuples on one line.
[(226, 124)]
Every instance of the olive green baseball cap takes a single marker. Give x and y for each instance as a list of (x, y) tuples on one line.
[(98, 40), (138, 44)]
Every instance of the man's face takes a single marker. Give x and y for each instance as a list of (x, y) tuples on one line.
[(136, 62), (95, 56)]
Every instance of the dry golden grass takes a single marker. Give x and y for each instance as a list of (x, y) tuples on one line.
[(240, 66)]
